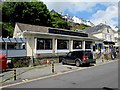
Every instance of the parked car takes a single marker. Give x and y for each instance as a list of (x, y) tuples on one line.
[(78, 58)]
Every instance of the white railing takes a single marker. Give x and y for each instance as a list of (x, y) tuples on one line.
[(14, 53)]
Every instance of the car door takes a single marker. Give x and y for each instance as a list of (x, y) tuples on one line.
[(73, 57), (68, 57)]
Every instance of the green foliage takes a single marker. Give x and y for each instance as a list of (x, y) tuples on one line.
[(25, 12), (35, 13), (57, 21), (8, 28), (80, 26)]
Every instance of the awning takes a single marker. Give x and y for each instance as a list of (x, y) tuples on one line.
[(6, 39), (1, 40), (19, 40), (13, 40), (24, 40)]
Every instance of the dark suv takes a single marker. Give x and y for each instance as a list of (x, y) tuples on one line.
[(78, 58)]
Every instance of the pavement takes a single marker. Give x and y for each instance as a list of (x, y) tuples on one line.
[(27, 73)]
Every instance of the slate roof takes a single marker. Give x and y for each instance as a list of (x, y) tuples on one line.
[(35, 28), (96, 29)]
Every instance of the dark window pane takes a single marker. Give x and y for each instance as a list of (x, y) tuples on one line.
[(88, 44), (77, 44), (62, 44), (44, 44)]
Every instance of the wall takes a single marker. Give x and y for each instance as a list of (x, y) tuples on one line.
[(98, 35), (17, 32)]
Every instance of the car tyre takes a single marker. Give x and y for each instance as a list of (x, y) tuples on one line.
[(77, 63)]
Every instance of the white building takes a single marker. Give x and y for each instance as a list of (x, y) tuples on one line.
[(46, 41), (104, 32)]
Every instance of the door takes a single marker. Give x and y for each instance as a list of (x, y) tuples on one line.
[(70, 57)]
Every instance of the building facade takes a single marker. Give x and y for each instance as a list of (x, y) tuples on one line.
[(104, 32), (46, 41)]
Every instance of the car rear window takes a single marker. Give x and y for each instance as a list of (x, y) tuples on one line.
[(89, 54)]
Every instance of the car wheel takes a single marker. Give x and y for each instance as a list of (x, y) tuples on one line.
[(77, 63), (63, 62)]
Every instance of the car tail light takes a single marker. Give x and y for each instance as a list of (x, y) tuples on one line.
[(84, 57)]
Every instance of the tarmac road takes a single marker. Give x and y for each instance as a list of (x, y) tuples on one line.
[(102, 76)]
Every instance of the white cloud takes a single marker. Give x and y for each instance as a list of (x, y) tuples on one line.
[(79, 5), (73, 7), (107, 16), (79, 0)]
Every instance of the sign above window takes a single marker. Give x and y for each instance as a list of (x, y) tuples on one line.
[(63, 32)]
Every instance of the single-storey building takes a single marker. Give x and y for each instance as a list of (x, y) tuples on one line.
[(46, 41)]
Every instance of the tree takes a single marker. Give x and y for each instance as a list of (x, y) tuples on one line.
[(35, 13), (25, 12), (57, 21)]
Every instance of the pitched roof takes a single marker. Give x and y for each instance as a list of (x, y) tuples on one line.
[(96, 29), (35, 28)]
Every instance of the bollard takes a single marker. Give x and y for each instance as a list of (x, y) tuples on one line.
[(53, 67), (14, 74), (102, 59)]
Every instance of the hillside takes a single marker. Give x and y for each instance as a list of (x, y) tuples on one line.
[(35, 13)]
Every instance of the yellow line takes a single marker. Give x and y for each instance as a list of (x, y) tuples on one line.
[(59, 73)]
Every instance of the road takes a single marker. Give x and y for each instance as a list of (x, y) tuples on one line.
[(96, 77)]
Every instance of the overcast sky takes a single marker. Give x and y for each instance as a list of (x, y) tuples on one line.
[(97, 11)]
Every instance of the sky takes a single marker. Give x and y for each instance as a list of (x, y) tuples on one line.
[(97, 11)]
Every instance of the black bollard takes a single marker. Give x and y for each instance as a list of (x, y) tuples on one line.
[(53, 67), (14, 74)]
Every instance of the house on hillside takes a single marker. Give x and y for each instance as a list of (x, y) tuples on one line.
[(104, 32), (46, 41)]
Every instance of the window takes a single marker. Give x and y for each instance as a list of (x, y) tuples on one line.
[(100, 46), (88, 44), (105, 36), (110, 38), (77, 44), (62, 44), (44, 44), (107, 30)]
